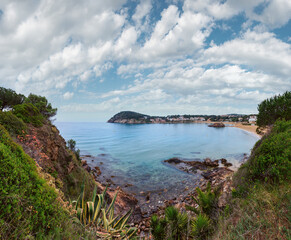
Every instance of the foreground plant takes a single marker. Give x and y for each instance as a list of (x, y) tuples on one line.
[(206, 201), (97, 214), (201, 226), (173, 226)]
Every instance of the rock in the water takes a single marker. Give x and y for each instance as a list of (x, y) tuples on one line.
[(210, 163), (98, 171), (217, 125), (174, 160), (223, 160), (228, 164)]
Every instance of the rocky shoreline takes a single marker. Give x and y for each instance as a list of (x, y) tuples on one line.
[(216, 172)]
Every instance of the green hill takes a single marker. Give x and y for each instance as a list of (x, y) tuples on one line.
[(127, 115)]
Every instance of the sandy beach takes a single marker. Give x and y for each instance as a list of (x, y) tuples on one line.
[(249, 128)]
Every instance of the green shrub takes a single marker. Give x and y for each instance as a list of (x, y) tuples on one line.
[(13, 124), (173, 226), (28, 205), (206, 201), (158, 227), (201, 226), (29, 114), (71, 145), (271, 157)]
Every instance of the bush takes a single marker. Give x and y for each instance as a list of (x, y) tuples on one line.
[(206, 201), (28, 206), (201, 227), (271, 158), (29, 114), (71, 145), (173, 226), (13, 124)]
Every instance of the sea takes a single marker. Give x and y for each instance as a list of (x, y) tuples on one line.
[(132, 155)]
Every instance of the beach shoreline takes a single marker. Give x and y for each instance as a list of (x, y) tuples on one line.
[(248, 128)]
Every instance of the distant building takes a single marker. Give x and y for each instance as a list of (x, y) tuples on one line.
[(252, 119)]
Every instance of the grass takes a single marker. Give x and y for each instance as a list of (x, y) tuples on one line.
[(261, 202), (263, 214)]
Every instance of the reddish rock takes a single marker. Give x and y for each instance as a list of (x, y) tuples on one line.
[(98, 171), (217, 125)]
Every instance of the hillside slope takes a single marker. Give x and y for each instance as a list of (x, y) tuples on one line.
[(261, 197), (30, 205)]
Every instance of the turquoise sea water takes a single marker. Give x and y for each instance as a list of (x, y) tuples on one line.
[(134, 154)]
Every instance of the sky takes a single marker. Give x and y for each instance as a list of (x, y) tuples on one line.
[(94, 58)]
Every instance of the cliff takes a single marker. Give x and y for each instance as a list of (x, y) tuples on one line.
[(48, 148)]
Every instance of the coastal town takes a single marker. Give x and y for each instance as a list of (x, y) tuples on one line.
[(137, 118)]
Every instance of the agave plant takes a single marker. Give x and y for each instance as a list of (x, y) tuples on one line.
[(96, 213), (89, 212)]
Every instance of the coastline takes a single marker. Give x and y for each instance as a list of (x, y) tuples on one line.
[(248, 128)]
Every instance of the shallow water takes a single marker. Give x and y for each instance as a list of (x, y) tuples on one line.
[(134, 154)]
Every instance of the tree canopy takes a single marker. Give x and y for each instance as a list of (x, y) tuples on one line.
[(9, 98), (277, 107), (42, 104)]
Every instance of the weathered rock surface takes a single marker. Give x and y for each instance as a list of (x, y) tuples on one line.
[(219, 172), (192, 166), (217, 125)]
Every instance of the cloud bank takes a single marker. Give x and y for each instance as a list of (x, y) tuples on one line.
[(100, 57)]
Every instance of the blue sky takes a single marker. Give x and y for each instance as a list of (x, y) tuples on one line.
[(92, 59)]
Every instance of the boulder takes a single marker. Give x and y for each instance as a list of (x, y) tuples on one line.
[(217, 125)]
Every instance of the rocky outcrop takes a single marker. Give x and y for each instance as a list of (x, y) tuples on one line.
[(48, 148), (217, 125), (208, 169)]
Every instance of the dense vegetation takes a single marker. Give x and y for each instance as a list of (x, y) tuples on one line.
[(13, 124), (28, 206), (277, 107), (28, 113), (261, 202)]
